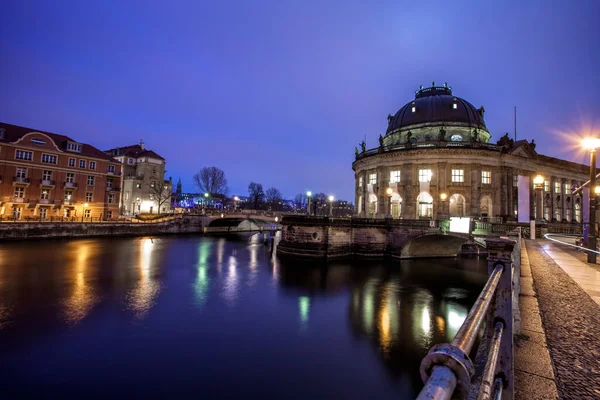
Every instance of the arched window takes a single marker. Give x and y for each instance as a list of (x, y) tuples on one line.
[(456, 138), (396, 205), (485, 206), (424, 205), (457, 205)]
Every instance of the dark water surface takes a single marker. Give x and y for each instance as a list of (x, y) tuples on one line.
[(216, 318)]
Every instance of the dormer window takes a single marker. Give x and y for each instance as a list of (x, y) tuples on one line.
[(38, 141), (76, 147), (2, 133), (455, 104)]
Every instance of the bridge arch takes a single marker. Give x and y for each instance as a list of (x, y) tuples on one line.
[(434, 245)]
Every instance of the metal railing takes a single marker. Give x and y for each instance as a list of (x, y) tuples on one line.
[(447, 370)]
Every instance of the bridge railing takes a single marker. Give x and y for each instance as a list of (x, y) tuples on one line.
[(447, 370)]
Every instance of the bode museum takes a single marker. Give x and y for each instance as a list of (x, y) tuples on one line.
[(437, 160)]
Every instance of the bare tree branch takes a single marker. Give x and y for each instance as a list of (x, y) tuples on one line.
[(211, 180)]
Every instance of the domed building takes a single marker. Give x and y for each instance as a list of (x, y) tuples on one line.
[(437, 160)]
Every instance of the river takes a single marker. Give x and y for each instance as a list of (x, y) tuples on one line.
[(219, 318)]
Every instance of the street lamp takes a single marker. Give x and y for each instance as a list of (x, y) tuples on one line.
[(235, 204), (331, 205), (389, 192), (443, 197), (308, 194), (592, 144), (538, 185)]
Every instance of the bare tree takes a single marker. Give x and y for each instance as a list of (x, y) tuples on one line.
[(211, 180), (274, 199), (161, 193), (300, 201), (256, 194), (319, 203)]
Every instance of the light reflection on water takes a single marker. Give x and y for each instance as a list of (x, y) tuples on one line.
[(193, 293)]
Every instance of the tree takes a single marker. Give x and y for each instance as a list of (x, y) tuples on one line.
[(256, 194), (300, 201), (211, 180), (319, 201), (161, 193), (274, 199)]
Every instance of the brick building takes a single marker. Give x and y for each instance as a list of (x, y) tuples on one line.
[(45, 175)]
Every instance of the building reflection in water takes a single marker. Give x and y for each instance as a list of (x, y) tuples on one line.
[(230, 286), (83, 296), (304, 306), (220, 254), (141, 299), (202, 280)]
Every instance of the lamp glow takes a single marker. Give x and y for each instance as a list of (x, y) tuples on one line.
[(597, 190), (205, 194), (276, 219), (309, 193), (538, 180), (85, 204), (443, 196), (389, 191), (591, 143), (236, 198), (331, 198)]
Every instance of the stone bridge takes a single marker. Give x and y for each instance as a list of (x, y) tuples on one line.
[(323, 237)]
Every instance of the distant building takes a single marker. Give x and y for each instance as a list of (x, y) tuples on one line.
[(145, 189), (45, 175)]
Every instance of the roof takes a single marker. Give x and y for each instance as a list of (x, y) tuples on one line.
[(135, 150), (437, 105), (12, 133)]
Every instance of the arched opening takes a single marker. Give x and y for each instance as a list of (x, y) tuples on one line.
[(485, 206), (424, 205), (396, 205), (372, 210), (457, 205), (578, 210)]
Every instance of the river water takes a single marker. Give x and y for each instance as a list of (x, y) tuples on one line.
[(219, 318)]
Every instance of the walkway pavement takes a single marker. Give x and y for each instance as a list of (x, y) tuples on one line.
[(569, 316)]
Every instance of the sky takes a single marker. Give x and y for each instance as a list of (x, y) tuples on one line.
[(280, 92)]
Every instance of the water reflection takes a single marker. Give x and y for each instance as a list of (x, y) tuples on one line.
[(83, 295), (304, 305), (202, 280), (142, 298)]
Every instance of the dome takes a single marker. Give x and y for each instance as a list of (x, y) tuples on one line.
[(436, 106)]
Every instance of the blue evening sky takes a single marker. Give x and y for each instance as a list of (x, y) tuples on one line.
[(280, 92)]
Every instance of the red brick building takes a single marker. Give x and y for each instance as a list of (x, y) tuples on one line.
[(45, 175)]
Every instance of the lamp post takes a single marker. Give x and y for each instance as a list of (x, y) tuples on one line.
[(443, 197), (592, 144), (538, 185), (331, 198), (235, 203), (389, 191), (308, 194), (206, 199)]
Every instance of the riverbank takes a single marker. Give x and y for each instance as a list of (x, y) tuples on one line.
[(41, 230)]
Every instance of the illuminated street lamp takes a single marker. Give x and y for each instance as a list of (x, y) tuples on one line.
[(592, 144), (308, 194), (444, 197), (389, 192), (235, 204), (538, 186), (331, 198)]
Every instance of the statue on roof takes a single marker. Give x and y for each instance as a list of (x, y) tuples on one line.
[(481, 111), (532, 144), (390, 117), (442, 136), (380, 141), (475, 135), (363, 146), (408, 136), (355, 152), (433, 84)]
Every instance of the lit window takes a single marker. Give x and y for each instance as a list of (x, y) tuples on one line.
[(111, 198), (19, 192), (486, 177), (109, 184), (109, 214), (546, 186), (425, 175), (360, 181), (395, 177), (24, 155), (87, 213), (456, 138), (567, 188), (88, 196), (556, 187), (71, 162), (372, 179), (45, 194), (68, 195), (413, 109), (81, 163), (516, 181), (454, 106), (49, 159), (458, 175), (90, 180), (92, 164)]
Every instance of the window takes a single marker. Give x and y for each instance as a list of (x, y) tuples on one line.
[(413, 109), (19, 192), (454, 106), (373, 179), (109, 184), (111, 168), (516, 181), (567, 188), (111, 198), (456, 138), (126, 195), (153, 183), (46, 175), (130, 161), (71, 162), (81, 163), (68, 195), (74, 147), (92, 164), (138, 185), (49, 159), (87, 213), (151, 197), (89, 197), (16, 212), (70, 177), (153, 171), (90, 180), (486, 177), (360, 181), (556, 187), (24, 155), (395, 177), (546, 186), (38, 141), (43, 213), (45, 194), (458, 175), (425, 175), (109, 214), (568, 214), (22, 173)]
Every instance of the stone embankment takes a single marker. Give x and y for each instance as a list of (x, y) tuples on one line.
[(38, 230)]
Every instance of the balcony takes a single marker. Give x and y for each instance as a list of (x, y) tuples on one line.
[(113, 189), (72, 185), (46, 201), (135, 177), (18, 200), (21, 180), (47, 182), (114, 173), (68, 202)]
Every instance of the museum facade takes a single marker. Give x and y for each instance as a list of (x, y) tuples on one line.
[(437, 160)]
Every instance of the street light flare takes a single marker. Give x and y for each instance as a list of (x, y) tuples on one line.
[(590, 143)]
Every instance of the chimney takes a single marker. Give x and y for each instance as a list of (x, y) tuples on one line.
[(142, 144)]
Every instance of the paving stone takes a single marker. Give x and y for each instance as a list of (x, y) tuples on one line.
[(572, 323), (527, 286), (530, 387), (536, 337), (533, 358)]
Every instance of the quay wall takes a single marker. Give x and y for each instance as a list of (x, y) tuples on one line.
[(38, 230)]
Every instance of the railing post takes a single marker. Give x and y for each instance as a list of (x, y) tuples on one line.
[(500, 252)]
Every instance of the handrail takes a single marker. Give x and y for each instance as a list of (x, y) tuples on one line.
[(489, 371)]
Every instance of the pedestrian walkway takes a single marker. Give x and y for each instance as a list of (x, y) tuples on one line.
[(573, 262)]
